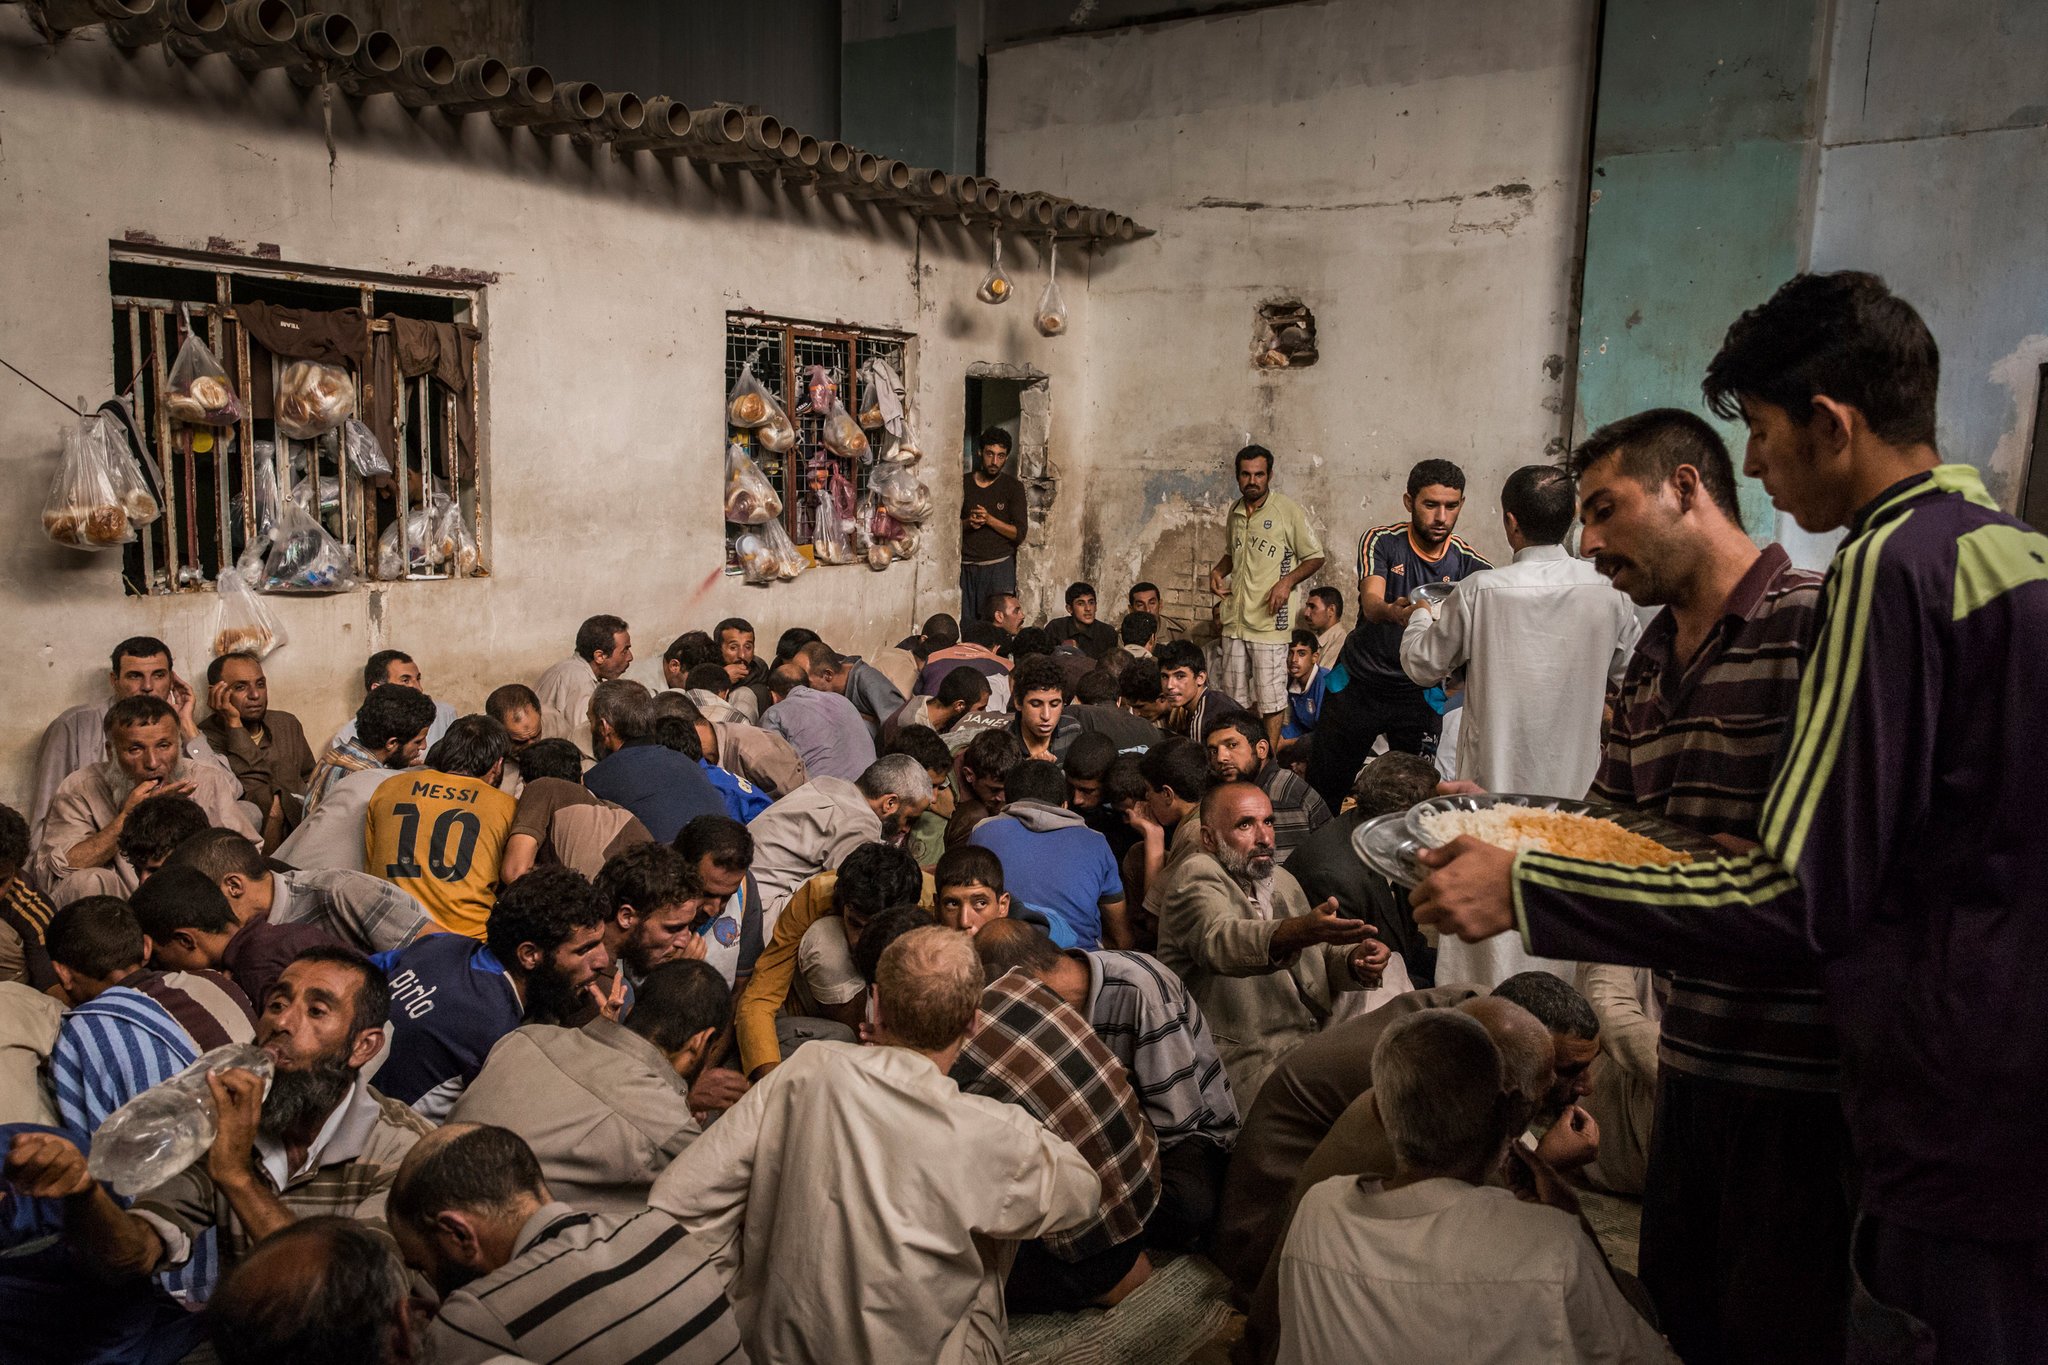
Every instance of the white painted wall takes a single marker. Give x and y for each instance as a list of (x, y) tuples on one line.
[(1411, 170), (604, 393)]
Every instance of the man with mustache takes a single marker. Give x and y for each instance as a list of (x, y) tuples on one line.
[(322, 1142), (1262, 965)]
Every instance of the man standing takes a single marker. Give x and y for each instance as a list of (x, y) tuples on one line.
[(266, 749), (1899, 826), (992, 521), (1375, 697), (1269, 550), (604, 651), (77, 739)]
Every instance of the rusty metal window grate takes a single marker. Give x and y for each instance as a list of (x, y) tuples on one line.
[(207, 477), (782, 351)]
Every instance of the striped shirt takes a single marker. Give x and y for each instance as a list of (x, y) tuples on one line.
[(1145, 1017), (24, 919), (1696, 742), (1297, 810), (1029, 1048), (1901, 845), (587, 1289), (1372, 651), (342, 756), (365, 911)]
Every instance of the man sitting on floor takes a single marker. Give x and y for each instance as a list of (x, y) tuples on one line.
[(1053, 862), (367, 913)]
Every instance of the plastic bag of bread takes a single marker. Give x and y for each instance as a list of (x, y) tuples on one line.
[(82, 509), (265, 494), (200, 394), (996, 286), (750, 499), (821, 390), (750, 404), (767, 554), (463, 556), (832, 538), (430, 540), (900, 494), (843, 435), (313, 399), (360, 445), (304, 557), (131, 490), (777, 433), (1051, 317), (241, 623), (905, 545)]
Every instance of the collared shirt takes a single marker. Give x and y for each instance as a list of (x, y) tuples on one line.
[(1372, 651), (767, 760), (278, 765), (347, 1173), (1696, 741), (565, 690), (806, 832), (1148, 1021), (1899, 833), (1297, 810), (1266, 544), (451, 1001), (77, 739), (585, 1289), (1540, 639), (732, 936), (88, 801), (909, 1265), (825, 729), (368, 913), (602, 1108), (1443, 1270), (1304, 704), (1029, 1048)]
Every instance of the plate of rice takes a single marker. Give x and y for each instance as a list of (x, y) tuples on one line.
[(1548, 824)]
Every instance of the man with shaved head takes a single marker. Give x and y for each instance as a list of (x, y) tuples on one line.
[(1263, 965), (521, 1274)]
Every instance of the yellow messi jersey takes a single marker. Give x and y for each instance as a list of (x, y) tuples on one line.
[(441, 838)]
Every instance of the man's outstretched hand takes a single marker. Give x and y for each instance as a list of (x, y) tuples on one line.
[(1469, 894)]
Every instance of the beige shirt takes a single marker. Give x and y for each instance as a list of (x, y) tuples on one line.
[(602, 1108), (77, 739), (1219, 940), (565, 691), (864, 1207), (768, 761), (807, 832), (29, 1021), (87, 802), (1443, 1270)]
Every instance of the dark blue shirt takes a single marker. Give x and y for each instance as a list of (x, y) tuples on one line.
[(664, 789), (451, 1002), (1305, 706), (1372, 651), (743, 800)]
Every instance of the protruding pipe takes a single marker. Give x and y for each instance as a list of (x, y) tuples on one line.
[(375, 64), (967, 190), (1126, 230), (624, 115), (250, 24), (718, 133), (526, 87), (808, 152), (61, 16), (892, 181), (1015, 208), (575, 104), (477, 78), (664, 127), (1040, 210), (763, 139), (835, 158), (200, 18), (926, 183), (329, 38), (1067, 217)]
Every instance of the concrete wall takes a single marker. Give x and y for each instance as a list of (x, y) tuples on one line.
[(1411, 171), (910, 80), (604, 392)]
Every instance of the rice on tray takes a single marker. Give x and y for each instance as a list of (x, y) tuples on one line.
[(1517, 828)]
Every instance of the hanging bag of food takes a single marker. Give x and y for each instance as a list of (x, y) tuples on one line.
[(242, 624), (365, 454), (1051, 317), (749, 404), (900, 494), (832, 542), (463, 555), (750, 499), (131, 490), (82, 510), (429, 540), (821, 388), (266, 490), (883, 530), (842, 435), (313, 399), (200, 394), (996, 286), (304, 558)]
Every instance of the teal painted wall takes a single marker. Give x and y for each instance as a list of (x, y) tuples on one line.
[(1703, 132), (901, 95)]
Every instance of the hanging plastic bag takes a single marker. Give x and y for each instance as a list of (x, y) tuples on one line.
[(313, 399), (200, 394), (878, 531), (900, 494), (82, 509), (843, 435), (750, 404), (463, 555), (821, 390), (1052, 307), (304, 557), (124, 471), (429, 536), (832, 542), (266, 490), (905, 545), (750, 499), (241, 623), (996, 286), (325, 488), (777, 433), (767, 554), (903, 453), (364, 453)]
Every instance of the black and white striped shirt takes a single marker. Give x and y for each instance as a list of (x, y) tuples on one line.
[(1145, 1017), (586, 1289)]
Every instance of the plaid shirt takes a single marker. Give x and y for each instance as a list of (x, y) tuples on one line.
[(345, 757), (1297, 811), (1029, 1048)]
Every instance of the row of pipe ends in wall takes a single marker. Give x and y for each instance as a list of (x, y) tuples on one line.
[(329, 48)]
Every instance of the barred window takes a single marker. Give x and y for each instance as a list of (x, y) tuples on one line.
[(782, 350), (417, 367)]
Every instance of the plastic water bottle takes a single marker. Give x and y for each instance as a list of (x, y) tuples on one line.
[(167, 1127)]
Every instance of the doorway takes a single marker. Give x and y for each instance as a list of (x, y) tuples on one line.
[(1018, 400)]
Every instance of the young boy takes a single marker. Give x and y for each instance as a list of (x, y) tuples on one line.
[(192, 927), (969, 884), (1306, 679), (985, 768), (1184, 681)]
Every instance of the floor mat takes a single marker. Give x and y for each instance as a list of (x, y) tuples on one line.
[(1165, 1321)]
